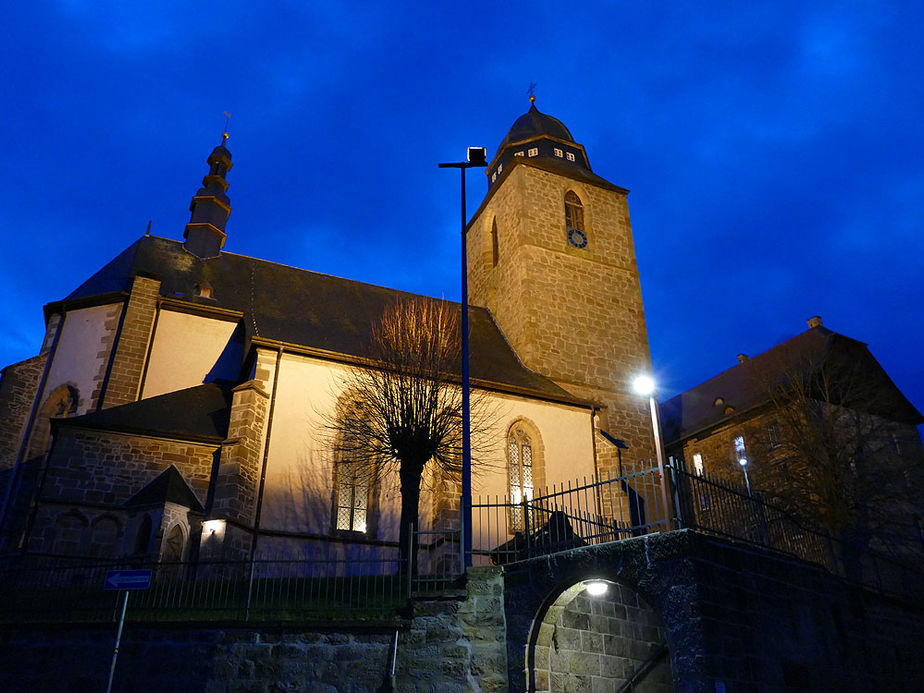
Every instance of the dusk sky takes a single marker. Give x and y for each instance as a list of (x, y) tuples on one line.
[(774, 151)]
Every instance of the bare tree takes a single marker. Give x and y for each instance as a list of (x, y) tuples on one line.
[(402, 411), (840, 448)]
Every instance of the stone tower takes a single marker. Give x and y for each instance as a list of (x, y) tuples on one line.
[(551, 256)]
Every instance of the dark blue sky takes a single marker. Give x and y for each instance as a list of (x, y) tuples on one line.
[(775, 152)]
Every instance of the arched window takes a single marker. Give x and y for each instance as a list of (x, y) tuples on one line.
[(494, 253), (174, 544), (574, 220), (522, 478), (71, 530), (143, 536), (104, 537), (352, 498)]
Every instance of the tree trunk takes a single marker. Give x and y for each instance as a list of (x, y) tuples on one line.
[(410, 475)]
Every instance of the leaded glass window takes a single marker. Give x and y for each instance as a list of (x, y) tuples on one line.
[(520, 463), (352, 497)]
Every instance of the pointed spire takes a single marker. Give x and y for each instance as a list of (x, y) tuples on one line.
[(210, 207)]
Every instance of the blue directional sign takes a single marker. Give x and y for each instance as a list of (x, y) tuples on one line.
[(128, 579)]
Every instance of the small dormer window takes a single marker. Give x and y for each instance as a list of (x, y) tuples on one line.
[(203, 290), (719, 402), (494, 176), (500, 167), (533, 151), (558, 152), (494, 253), (570, 156)]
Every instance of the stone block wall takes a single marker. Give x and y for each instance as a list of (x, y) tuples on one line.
[(18, 387), (124, 382), (573, 315), (452, 643), (97, 471)]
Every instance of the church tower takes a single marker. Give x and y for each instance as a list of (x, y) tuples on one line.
[(551, 256)]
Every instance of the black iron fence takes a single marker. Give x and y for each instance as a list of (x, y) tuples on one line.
[(377, 586)]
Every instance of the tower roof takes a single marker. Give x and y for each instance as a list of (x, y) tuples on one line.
[(534, 124)]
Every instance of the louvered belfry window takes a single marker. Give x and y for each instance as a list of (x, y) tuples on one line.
[(520, 461), (352, 497), (574, 211)]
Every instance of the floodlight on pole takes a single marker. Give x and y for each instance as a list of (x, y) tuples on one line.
[(644, 385), (475, 157)]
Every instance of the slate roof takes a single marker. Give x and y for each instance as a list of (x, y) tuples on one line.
[(167, 487), (533, 123), (298, 307), (744, 387), (197, 413)]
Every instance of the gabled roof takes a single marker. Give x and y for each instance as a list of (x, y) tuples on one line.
[(197, 413), (298, 307), (167, 487), (744, 387)]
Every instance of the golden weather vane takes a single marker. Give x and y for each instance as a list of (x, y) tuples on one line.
[(224, 135), (531, 92)]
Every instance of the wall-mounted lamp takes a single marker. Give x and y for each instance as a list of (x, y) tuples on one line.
[(213, 527)]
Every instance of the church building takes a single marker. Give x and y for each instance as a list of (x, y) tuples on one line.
[(177, 406)]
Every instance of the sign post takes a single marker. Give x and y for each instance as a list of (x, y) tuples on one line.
[(124, 580)]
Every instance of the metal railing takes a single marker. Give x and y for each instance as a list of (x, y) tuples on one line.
[(51, 589), (571, 515)]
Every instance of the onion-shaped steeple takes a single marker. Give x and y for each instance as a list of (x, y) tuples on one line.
[(210, 207)]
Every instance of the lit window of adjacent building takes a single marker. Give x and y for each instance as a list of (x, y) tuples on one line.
[(352, 496), (740, 452), (533, 151), (570, 156), (773, 435), (698, 463), (558, 152)]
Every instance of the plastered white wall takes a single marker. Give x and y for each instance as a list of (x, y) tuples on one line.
[(186, 350), (299, 477), (80, 358)]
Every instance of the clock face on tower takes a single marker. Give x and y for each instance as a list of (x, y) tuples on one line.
[(577, 238)]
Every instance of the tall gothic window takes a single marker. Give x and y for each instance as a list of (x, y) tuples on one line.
[(352, 497), (494, 253), (574, 211), (520, 464)]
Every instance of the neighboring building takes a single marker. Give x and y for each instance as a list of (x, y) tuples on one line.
[(179, 401), (816, 425)]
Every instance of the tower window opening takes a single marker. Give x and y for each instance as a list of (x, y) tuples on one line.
[(533, 151), (520, 153), (558, 152), (574, 212), (494, 252), (203, 290), (570, 156)]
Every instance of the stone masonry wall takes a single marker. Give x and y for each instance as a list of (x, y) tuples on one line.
[(450, 644), (132, 347), (102, 469), (18, 385), (574, 315)]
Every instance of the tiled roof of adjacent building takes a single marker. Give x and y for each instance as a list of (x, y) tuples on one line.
[(746, 386)]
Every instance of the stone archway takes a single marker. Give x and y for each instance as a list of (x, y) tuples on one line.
[(598, 643)]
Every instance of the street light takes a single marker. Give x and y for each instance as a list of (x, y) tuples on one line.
[(743, 461), (476, 157), (645, 385)]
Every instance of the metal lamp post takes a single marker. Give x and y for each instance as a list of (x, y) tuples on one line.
[(743, 461), (476, 158), (645, 386)]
